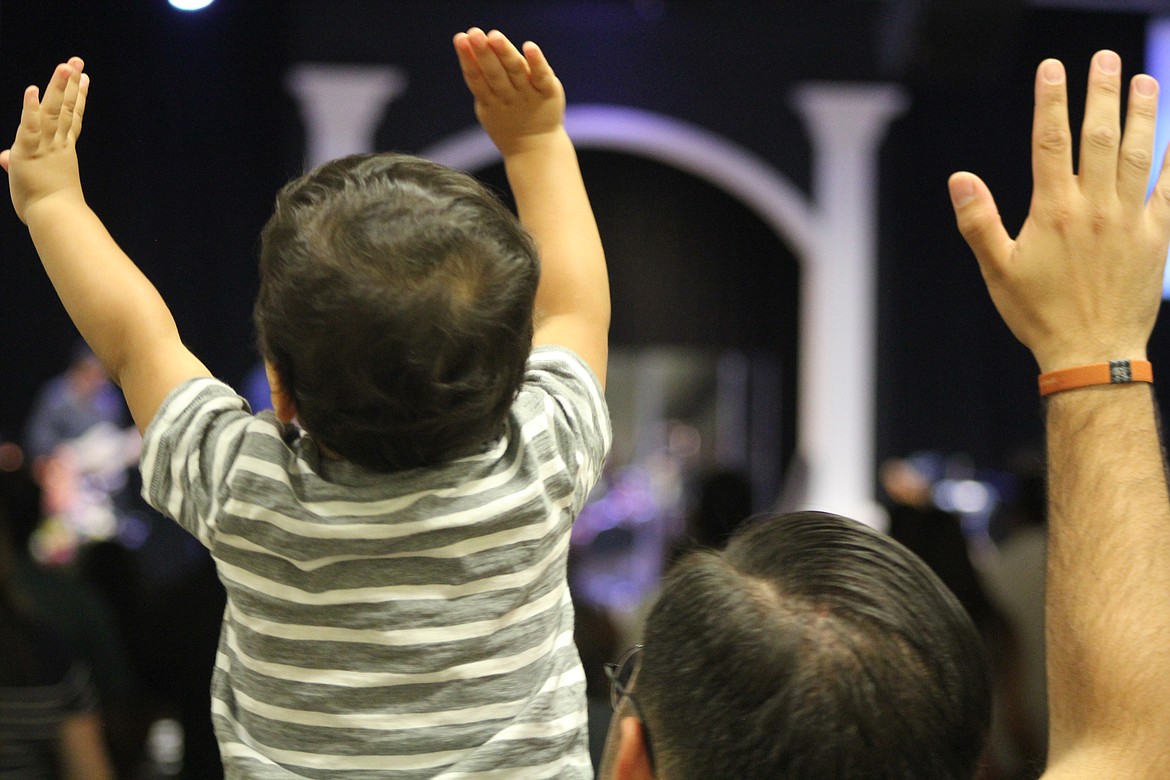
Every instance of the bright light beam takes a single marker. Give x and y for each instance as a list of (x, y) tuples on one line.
[(191, 5)]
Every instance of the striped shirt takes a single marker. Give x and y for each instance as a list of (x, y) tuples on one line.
[(415, 624)]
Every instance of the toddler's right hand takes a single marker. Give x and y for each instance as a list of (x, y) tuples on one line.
[(518, 98), (43, 159)]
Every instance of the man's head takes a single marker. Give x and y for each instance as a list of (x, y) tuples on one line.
[(812, 647), (395, 308)]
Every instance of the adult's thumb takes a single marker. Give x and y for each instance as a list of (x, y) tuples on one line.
[(976, 215)]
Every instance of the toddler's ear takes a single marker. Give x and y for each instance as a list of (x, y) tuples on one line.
[(282, 402)]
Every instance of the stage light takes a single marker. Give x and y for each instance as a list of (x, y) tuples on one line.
[(191, 5)]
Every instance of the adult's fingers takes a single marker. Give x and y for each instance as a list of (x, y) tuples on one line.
[(1052, 173), (1137, 145), (1101, 130)]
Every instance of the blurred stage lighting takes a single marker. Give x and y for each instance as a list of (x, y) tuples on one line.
[(1158, 66), (191, 5)]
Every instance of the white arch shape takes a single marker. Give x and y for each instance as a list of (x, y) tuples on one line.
[(675, 143), (681, 145), (832, 234)]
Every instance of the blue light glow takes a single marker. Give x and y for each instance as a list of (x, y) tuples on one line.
[(191, 5), (1158, 66)]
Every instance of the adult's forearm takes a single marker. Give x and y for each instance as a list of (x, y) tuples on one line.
[(1108, 597)]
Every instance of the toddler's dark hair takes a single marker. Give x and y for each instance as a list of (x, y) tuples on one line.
[(395, 304)]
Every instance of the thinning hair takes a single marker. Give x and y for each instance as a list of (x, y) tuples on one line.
[(813, 647)]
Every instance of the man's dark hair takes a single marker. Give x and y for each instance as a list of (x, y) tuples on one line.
[(396, 304), (813, 647)]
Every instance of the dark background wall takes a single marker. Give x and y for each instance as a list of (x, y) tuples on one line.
[(190, 131)]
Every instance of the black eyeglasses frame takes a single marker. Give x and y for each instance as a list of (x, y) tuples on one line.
[(619, 675)]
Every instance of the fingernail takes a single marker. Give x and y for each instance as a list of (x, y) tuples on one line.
[(1052, 72), (962, 191), (1146, 86), (1109, 63)]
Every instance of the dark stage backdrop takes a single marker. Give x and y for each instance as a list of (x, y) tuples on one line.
[(191, 130)]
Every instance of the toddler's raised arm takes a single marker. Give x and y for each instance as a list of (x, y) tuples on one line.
[(521, 104), (116, 309)]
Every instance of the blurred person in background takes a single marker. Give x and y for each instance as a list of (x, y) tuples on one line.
[(50, 722), (65, 610), (1015, 580)]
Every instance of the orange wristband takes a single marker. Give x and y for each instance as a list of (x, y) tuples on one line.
[(1114, 372)]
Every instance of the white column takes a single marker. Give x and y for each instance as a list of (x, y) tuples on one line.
[(341, 106), (846, 125)]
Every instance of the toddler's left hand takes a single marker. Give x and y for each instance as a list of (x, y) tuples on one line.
[(43, 159), (518, 98)]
